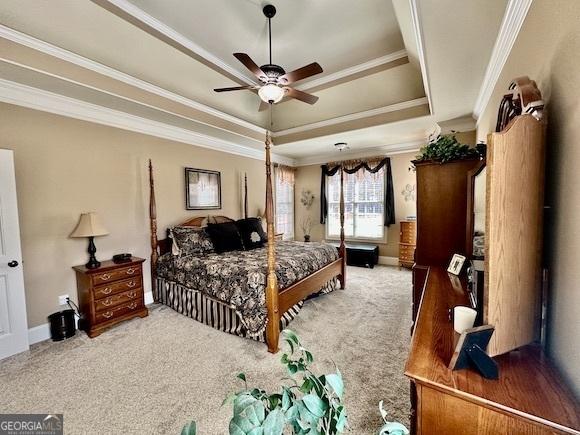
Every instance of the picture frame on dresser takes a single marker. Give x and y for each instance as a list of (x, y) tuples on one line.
[(203, 190)]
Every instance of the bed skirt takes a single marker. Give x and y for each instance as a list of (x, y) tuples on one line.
[(217, 314)]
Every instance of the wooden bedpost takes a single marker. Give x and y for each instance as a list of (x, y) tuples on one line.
[(153, 229), (273, 327), (342, 249), (245, 195)]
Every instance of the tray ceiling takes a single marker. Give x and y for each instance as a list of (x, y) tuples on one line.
[(160, 60)]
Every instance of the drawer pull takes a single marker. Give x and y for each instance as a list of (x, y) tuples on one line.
[(108, 314), (131, 284), (107, 290), (130, 271), (132, 295), (107, 302), (133, 305), (105, 276)]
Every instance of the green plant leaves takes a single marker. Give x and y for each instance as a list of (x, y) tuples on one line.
[(250, 409), (274, 423), (445, 149), (309, 404), (189, 429), (315, 405), (335, 382)]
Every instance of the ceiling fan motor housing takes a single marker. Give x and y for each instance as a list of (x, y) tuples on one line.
[(273, 72)]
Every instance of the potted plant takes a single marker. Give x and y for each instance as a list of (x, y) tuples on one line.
[(308, 403), (446, 148), (306, 226)]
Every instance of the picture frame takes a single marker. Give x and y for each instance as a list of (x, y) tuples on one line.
[(456, 264), (203, 189)]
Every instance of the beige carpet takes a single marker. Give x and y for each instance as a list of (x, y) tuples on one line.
[(152, 375)]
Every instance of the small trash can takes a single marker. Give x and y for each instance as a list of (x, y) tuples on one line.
[(62, 325)]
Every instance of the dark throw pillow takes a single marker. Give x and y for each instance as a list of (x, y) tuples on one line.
[(225, 237), (252, 233), (190, 241)]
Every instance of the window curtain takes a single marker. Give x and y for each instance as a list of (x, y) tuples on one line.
[(373, 166), (284, 200)]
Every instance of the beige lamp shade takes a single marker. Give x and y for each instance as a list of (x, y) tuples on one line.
[(89, 225)]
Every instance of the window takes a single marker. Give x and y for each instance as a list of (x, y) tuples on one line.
[(285, 202), (364, 196)]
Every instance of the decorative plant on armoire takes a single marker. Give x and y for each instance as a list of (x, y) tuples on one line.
[(446, 148)]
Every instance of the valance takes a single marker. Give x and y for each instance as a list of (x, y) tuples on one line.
[(372, 165), (285, 174)]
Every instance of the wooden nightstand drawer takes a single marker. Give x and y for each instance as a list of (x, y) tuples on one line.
[(118, 299), (116, 274), (103, 291), (110, 294), (118, 311)]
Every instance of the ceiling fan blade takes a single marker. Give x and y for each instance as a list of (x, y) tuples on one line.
[(300, 95), (251, 65), (234, 88), (300, 74)]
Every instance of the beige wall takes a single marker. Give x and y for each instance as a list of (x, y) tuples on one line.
[(65, 167), (308, 177), (547, 50)]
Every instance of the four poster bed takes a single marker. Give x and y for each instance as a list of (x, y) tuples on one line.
[(233, 291)]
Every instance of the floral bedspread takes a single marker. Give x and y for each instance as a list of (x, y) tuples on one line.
[(238, 278)]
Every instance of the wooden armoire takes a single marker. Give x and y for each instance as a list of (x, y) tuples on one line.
[(441, 217)]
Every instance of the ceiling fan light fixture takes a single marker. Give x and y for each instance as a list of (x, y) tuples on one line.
[(271, 93)]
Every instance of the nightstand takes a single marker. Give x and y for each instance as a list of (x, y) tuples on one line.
[(110, 294)]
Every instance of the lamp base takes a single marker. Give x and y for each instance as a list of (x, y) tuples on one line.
[(93, 262)]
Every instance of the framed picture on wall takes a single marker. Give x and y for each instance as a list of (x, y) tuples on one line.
[(203, 190)]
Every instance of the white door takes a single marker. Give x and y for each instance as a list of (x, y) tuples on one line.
[(13, 324)]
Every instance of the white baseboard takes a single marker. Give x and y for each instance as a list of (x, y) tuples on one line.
[(42, 332), (389, 261), (38, 333)]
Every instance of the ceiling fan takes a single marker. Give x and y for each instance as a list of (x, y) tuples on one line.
[(274, 80)]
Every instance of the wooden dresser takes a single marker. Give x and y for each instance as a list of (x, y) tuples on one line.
[(530, 396), (110, 294), (407, 242)]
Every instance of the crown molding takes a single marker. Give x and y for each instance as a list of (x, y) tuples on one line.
[(418, 30), (353, 116), (34, 98), (387, 150), (511, 24), (353, 70), (153, 23), (67, 56)]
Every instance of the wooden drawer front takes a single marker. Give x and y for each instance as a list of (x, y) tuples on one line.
[(118, 299), (118, 311), (406, 252), (116, 274), (104, 291), (408, 232)]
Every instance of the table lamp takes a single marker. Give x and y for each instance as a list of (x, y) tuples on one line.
[(90, 226)]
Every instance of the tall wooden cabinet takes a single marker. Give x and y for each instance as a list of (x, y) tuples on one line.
[(407, 243), (441, 211), (513, 241)]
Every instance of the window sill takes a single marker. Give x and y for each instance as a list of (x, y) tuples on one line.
[(380, 241)]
